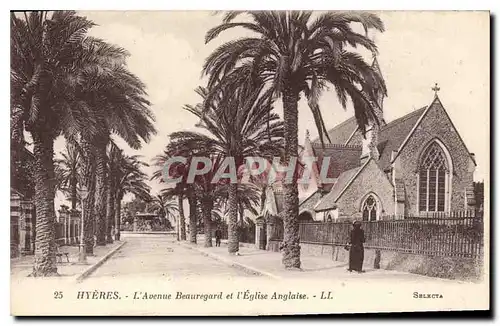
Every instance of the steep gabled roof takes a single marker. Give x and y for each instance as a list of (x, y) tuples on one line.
[(391, 137), (393, 134), (435, 102), (341, 132)]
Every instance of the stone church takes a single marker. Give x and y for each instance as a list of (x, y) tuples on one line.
[(416, 165)]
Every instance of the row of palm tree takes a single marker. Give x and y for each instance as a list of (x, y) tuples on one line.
[(67, 83), (239, 124), (64, 82), (125, 175), (289, 54)]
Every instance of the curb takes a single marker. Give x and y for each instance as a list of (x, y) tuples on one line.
[(232, 262), (86, 273)]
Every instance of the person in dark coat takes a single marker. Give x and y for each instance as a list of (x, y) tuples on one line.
[(218, 236), (356, 251)]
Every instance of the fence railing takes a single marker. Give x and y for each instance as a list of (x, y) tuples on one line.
[(461, 237)]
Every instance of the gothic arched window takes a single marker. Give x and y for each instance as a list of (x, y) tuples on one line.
[(370, 209), (433, 176)]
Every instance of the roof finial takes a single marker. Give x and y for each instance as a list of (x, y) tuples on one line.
[(436, 89)]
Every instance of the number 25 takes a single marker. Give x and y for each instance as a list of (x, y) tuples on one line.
[(58, 295)]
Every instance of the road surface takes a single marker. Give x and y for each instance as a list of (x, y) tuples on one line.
[(159, 256)]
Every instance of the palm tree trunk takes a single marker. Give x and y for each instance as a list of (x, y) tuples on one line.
[(207, 205), (241, 231), (291, 248), (110, 210), (177, 229), (232, 237), (88, 203), (74, 184), (101, 192), (182, 221), (118, 204), (193, 217), (45, 241), (242, 215)]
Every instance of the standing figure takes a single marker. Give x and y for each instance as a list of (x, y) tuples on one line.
[(357, 251), (218, 235)]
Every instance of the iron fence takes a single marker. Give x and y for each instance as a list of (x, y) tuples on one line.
[(446, 236)]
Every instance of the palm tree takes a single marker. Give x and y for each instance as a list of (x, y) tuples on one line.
[(182, 189), (248, 195), (48, 52), (236, 121), (67, 172), (294, 53), (178, 191), (208, 194), (115, 156), (128, 178), (121, 109), (189, 145), (163, 205)]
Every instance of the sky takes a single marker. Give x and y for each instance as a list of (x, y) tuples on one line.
[(417, 50)]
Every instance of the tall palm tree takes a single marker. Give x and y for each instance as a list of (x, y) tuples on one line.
[(121, 108), (294, 53), (128, 178), (182, 189), (67, 172), (48, 52), (189, 145), (236, 121), (115, 155)]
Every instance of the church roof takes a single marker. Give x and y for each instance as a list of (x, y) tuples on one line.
[(342, 158), (337, 189), (341, 132), (393, 134)]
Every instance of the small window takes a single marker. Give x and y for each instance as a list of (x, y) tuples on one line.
[(370, 209)]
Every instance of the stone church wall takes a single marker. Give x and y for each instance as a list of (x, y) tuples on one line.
[(371, 179), (436, 124)]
